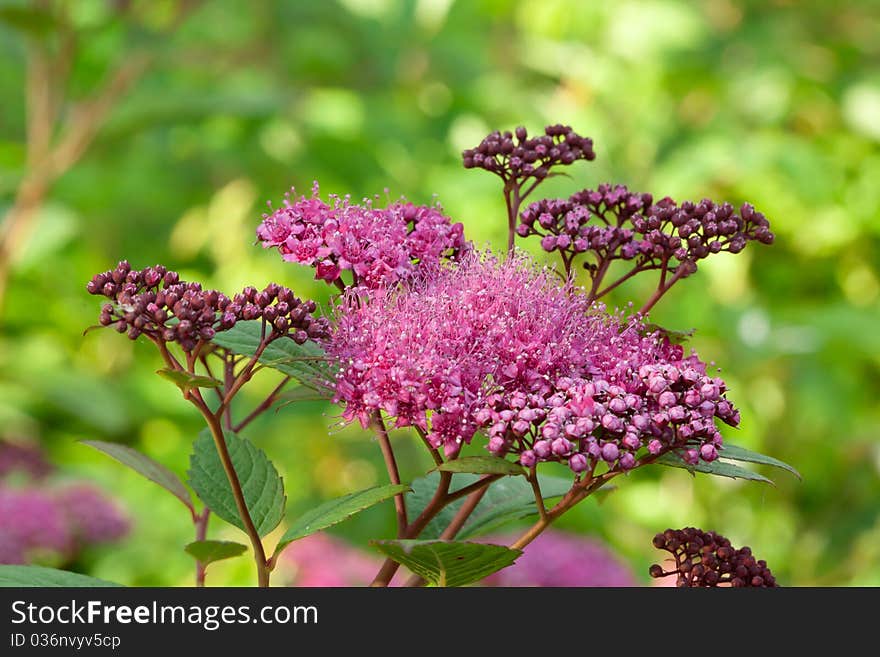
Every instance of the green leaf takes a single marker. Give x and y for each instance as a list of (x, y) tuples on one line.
[(303, 393), (335, 511), (506, 500), (483, 465), (206, 552), (262, 486), (305, 363), (737, 453), (449, 563), (719, 468), (186, 381), (146, 467), (14, 576)]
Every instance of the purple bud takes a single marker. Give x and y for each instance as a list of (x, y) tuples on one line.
[(610, 452), (550, 431), (667, 399), (627, 461), (655, 446), (578, 463), (708, 452), (542, 448), (561, 446), (527, 458), (497, 445), (520, 427)]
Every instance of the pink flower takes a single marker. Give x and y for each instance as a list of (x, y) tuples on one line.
[(91, 516), (321, 560), (435, 352), (379, 246), (31, 520), (559, 558)]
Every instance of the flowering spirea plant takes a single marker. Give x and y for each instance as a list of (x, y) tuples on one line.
[(497, 364)]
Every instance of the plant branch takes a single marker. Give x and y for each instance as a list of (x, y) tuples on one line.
[(241, 505), (458, 521), (264, 406), (536, 488), (393, 472), (663, 289), (437, 502), (201, 524)]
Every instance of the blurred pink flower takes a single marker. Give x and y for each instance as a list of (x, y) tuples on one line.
[(558, 558), (92, 517), (321, 560), (31, 520)]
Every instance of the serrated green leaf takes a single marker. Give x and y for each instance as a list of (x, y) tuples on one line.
[(305, 363), (15, 576), (505, 500), (718, 468), (303, 393), (335, 511), (206, 552), (486, 464), (449, 563), (262, 486), (186, 381), (146, 467), (737, 453)]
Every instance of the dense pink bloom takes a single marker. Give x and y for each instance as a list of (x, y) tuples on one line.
[(504, 348), (92, 517), (321, 560), (39, 519), (379, 246), (30, 521), (430, 355), (640, 395), (558, 558)]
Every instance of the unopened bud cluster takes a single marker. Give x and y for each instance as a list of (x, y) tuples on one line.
[(516, 157), (612, 223), (156, 303), (707, 559)]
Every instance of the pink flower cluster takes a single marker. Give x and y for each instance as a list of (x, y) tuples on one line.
[(502, 347), (558, 558), (35, 521), (430, 355), (641, 395), (39, 518), (321, 560), (379, 246)]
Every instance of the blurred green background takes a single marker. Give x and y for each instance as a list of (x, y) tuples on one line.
[(156, 130)]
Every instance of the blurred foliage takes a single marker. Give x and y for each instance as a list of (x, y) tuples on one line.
[(772, 102)]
